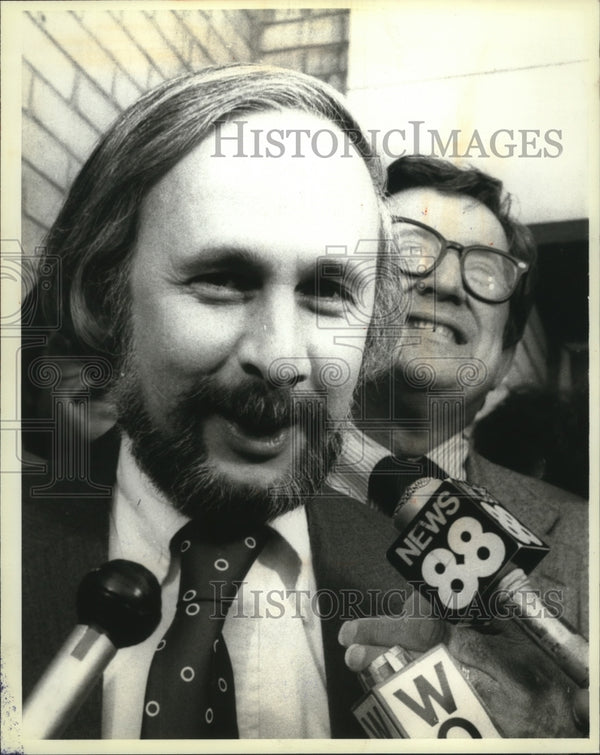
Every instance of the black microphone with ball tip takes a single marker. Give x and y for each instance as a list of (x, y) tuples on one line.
[(118, 605), (469, 556)]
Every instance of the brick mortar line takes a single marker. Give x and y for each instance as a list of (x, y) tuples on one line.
[(341, 44), (168, 42), (249, 48), (250, 14), (218, 34), (71, 105), (145, 53), (303, 19), (76, 65), (231, 22), (222, 40), (108, 53), (31, 219), (48, 178), (43, 126), (193, 37), (256, 31)]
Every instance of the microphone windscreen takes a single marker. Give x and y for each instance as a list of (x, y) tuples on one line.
[(118, 604), (393, 475), (121, 598), (412, 501)]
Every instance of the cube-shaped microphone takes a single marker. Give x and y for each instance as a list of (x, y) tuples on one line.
[(469, 557), (426, 698), (455, 545)]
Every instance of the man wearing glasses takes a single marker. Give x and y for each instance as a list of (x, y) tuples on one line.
[(468, 269)]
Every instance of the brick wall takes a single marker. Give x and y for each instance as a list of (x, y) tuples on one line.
[(82, 68), (314, 41)]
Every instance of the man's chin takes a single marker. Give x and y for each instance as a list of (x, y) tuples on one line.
[(225, 496), (213, 470), (245, 473), (229, 505)]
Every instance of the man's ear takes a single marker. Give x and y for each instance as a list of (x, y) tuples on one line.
[(506, 359)]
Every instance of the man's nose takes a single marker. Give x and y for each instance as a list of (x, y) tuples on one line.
[(445, 280), (273, 346)]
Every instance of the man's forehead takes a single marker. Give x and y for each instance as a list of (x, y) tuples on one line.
[(284, 144), (245, 199), (456, 216), (282, 214)]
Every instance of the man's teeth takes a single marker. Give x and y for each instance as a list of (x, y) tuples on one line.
[(439, 329)]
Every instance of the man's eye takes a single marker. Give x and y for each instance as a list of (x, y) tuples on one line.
[(331, 289), (328, 295), (224, 285)]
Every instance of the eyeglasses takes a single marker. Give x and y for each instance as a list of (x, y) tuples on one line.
[(488, 274)]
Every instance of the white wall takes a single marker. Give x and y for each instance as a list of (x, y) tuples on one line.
[(486, 66)]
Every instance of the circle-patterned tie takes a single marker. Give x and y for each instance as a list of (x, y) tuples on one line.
[(190, 692)]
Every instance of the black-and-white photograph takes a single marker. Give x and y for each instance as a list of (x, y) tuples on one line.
[(296, 367)]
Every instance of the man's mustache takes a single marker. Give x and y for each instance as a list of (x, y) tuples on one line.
[(254, 406)]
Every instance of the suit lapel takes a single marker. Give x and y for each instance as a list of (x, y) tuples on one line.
[(348, 544), (519, 494), (560, 519)]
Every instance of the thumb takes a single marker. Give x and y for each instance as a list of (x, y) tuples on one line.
[(414, 629)]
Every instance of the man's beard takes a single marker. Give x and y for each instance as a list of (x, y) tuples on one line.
[(175, 456)]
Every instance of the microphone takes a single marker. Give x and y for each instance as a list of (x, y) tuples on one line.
[(118, 605), (469, 556), (400, 697)]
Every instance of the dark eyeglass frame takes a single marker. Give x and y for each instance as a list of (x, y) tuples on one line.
[(521, 267)]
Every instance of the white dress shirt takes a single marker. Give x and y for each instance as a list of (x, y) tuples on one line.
[(273, 636), (360, 454)]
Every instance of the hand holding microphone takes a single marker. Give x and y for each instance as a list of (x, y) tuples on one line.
[(461, 571), (469, 556), (409, 694)]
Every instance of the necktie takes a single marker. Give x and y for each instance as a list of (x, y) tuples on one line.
[(393, 474), (190, 692)]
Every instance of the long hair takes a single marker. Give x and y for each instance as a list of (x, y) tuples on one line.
[(417, 171), (95, 231)]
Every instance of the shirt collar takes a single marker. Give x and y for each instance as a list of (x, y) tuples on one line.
[(293, 527), (451, 455), (143, 520), (360, 454)]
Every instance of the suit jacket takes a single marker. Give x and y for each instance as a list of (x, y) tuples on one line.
[(65, 535), (560, 518)]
